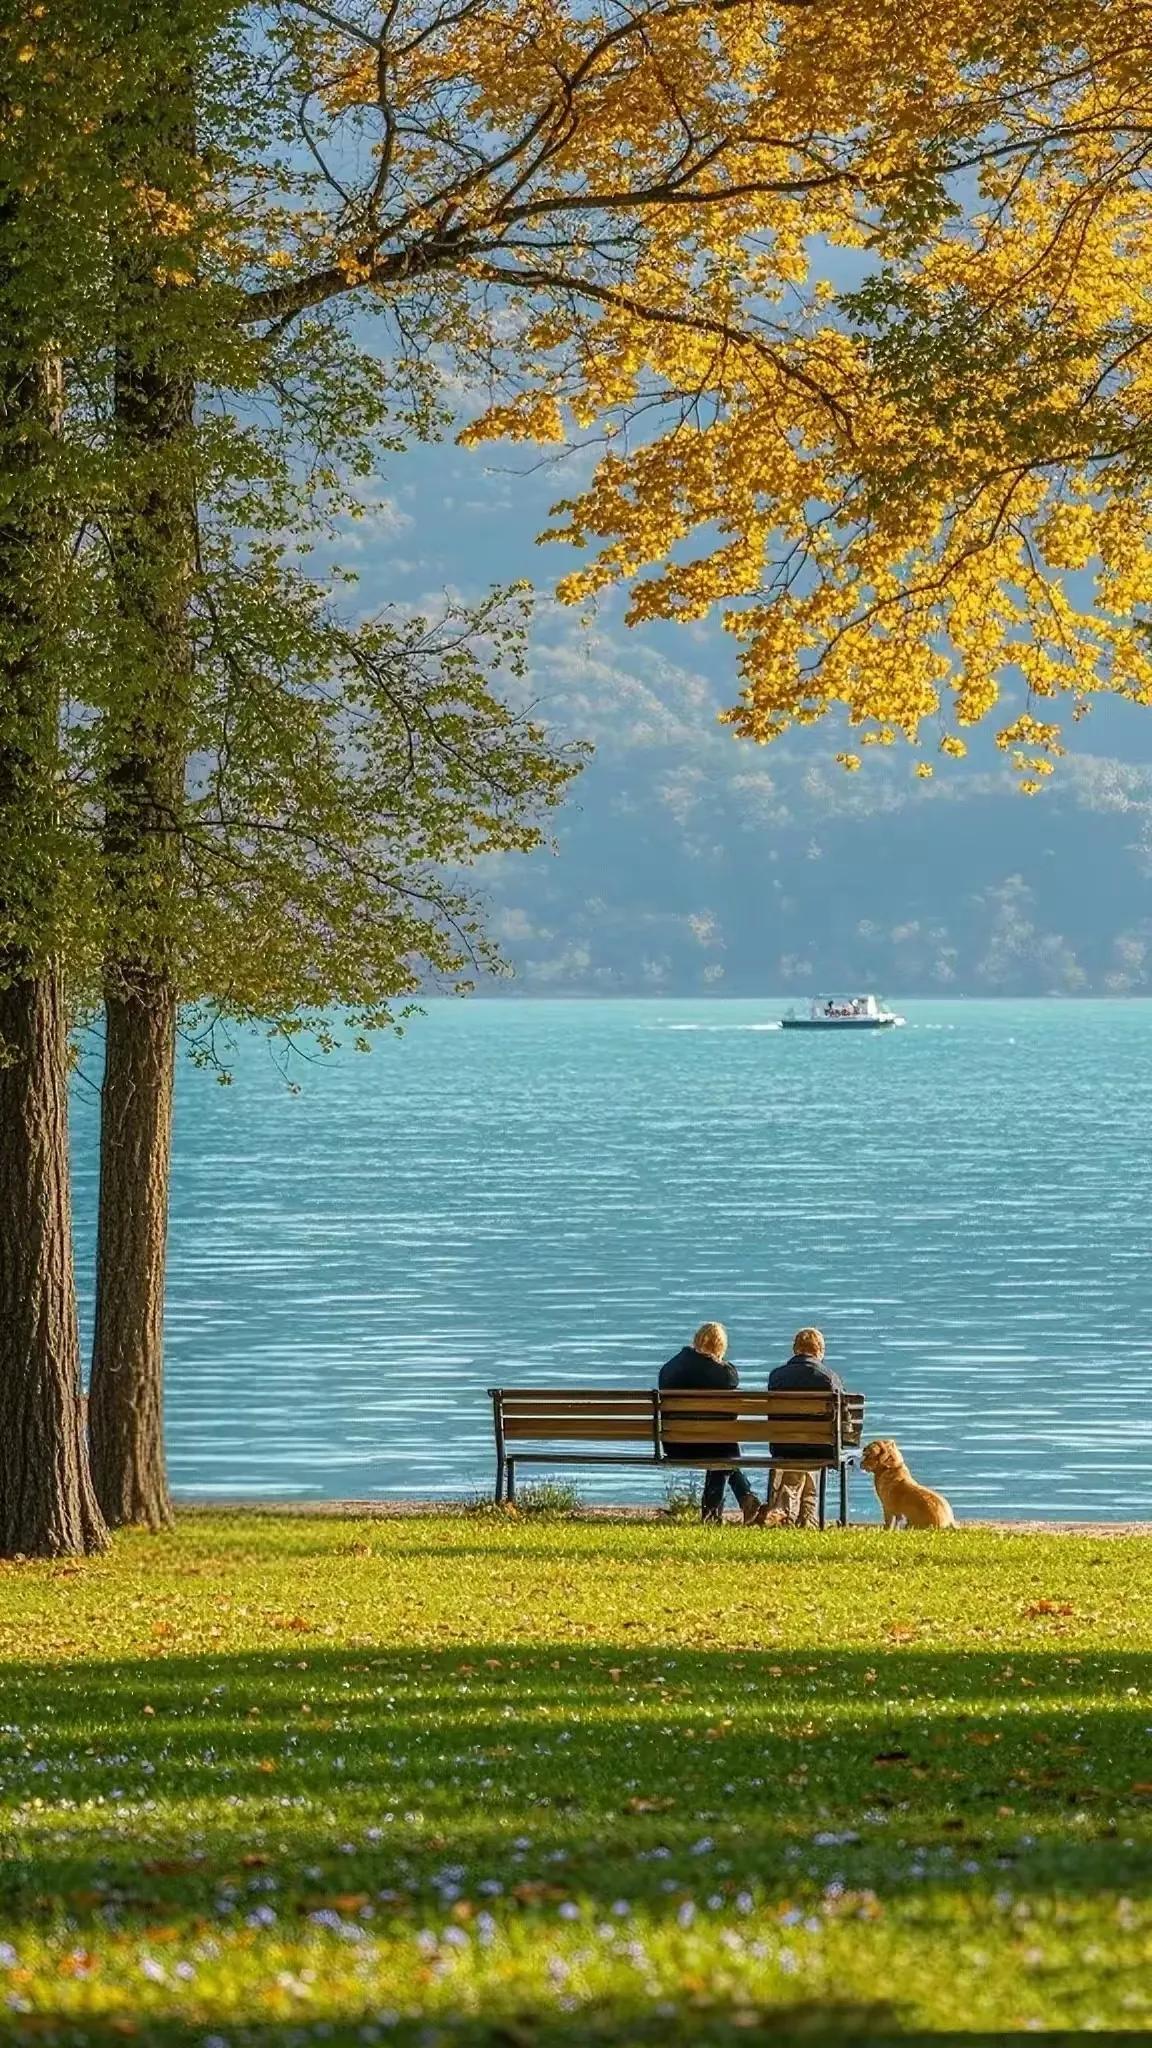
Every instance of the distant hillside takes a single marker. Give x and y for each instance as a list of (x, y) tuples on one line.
[(690, 863)]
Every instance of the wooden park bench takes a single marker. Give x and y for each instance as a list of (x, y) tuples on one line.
[(608, 1426)]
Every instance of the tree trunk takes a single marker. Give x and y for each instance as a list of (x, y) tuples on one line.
[(125, 1414), (146, 744), (47, 1503)]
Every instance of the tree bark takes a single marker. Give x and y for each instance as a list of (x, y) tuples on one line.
[(126, 1406), (154, 551), (47, 1504)]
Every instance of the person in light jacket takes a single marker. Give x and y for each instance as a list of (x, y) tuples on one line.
[(792, 1497)]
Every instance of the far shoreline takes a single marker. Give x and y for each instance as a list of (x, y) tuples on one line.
[(512, 991)]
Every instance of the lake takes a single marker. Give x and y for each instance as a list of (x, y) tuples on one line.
[(558, 1192)]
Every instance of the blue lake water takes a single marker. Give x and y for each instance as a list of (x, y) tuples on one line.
[(558, 1192)]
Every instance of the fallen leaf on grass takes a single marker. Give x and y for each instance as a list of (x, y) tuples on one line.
[(79, 1964)]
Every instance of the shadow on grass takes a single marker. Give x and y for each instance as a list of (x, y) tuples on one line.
[(189, 1787), (614, 2024)]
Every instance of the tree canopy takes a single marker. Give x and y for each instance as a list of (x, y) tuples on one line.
[(252, 784), (628, 216)]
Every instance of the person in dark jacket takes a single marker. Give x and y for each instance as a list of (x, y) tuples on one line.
[(792, 1498), (703, 1364)]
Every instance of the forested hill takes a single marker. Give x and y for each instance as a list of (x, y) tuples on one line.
[(690, 863)]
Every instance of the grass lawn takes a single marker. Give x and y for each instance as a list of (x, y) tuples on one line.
[(466, 1781)]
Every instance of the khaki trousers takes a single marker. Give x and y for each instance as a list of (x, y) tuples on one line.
[(794, 1496)]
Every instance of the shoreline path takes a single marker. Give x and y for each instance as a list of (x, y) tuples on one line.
[(401, 1508)]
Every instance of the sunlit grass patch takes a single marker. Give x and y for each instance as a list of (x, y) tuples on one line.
[(549, 1781)]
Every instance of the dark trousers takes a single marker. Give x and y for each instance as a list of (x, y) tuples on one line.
[(712, 1498)]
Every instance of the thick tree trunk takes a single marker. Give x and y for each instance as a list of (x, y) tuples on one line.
[(146, 754), (47, 1504), (125, 1415)]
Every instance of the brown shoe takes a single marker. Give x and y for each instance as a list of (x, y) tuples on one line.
[(751, 1507), (771, 1518)]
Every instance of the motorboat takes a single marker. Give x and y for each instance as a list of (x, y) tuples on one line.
[(842, 1013)]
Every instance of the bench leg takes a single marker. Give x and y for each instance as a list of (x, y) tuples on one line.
[(500, 1470), (844, 1494), (510, 1482), (823, 1493)]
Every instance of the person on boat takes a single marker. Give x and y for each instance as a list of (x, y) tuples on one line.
[(792, 1496), (703, 1364)]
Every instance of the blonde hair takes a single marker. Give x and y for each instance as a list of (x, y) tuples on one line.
[(711, 1339), (808, 1344)]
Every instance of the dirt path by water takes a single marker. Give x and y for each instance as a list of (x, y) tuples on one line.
[(400, 1509)]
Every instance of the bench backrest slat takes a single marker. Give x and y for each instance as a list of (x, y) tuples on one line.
[(678, 1416), (592, 1431), (576, 1415), (745, 1400), (574, 1397), (686, 1431)]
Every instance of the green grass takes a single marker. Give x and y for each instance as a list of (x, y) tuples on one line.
[(469, 1781)]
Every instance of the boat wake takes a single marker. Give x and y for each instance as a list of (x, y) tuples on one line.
[(715, 1027)]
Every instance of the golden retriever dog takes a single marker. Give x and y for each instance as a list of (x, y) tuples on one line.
[(898, 1493)]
